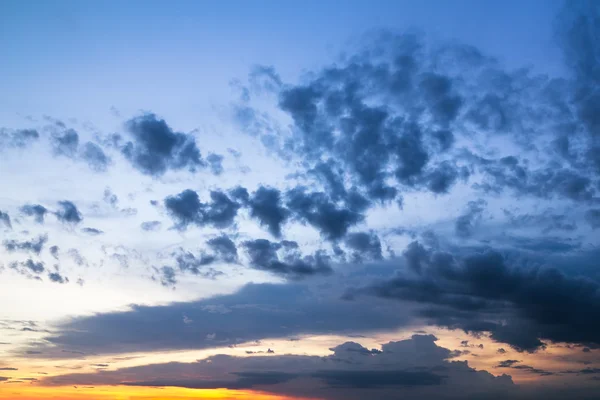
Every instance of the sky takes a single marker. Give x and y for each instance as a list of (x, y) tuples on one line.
[(285, 200)]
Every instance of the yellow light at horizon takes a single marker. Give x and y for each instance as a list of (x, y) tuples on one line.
[(32, 392)]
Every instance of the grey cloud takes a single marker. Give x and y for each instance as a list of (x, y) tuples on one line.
[(34, 245), (5, 219), (254, 312), (156, 148), (465, 224), (224, 248), (167, 276), (57, 278), (68, 212), (65, 143), (365, 245), (410, 368), (110, 198), (593, 218), (186, 208), (284, 258), (484, 292), (319, 211), (95, 157), (151, 225), (215, 161), (19, 138), (266, 206), (38, 212), (92, 231)]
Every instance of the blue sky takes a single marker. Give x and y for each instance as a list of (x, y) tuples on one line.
[(355, 195)]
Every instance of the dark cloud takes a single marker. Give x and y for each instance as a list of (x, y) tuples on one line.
[(593, 218), (411, 368), (109, 197), (5, 219), (316, 209), (156, 148), (65, 143), (57, 278), (167, 276), (266, 206), (28, 267), (92, 231), (365, 246), (215, 162), (254, 312), (224, 248), (186, 208), (35, 210), (466, 223), (484, 292), (19, 138), (34, 245), (151, 225), (197, 265), (68, 212), (54, 251), (284, 258), (548, 221), (516, 364), (95, 157)]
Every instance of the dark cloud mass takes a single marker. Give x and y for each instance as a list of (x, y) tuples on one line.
[(409, 368), (284, 258), (186, 209), (254, 312), (266, 206), (486, 292), (68, 212), (155, 148)]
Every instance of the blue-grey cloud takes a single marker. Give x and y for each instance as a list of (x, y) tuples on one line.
[(38, 212), (187, 209), (95, 157), (34, 245), (410, 368), (19, 138), (254, 312), (57, 278), (284, 258), (68, 212), (151, 225), (266, 206), (484, 292), (155, 148), (5, 219), (92, 231)]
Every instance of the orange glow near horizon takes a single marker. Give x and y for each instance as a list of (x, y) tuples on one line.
[(31, 392)]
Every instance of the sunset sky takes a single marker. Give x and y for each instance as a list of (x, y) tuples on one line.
[(299, 200)]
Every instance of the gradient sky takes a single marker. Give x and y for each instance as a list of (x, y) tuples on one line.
[(285, 200)]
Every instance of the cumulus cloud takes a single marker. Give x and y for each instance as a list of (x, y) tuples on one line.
[(34, 246), (38, 212), (186, 209), (68, 212), (284, 258), (155, 148)]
